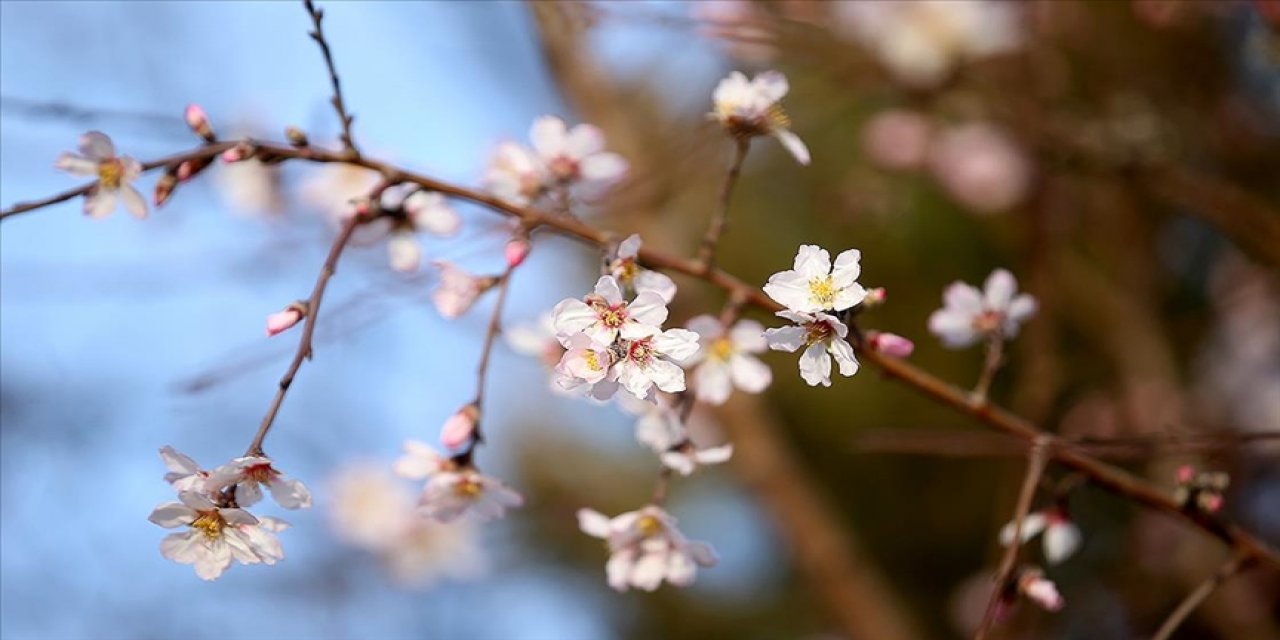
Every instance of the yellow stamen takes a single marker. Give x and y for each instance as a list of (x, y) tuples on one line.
[(110, 174), (469, 488), (823, 291), (210, 522), (721, 349), (649, 525)]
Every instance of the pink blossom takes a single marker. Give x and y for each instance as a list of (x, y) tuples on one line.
[(981, 167), (460, 427), (897, 139), (890, 344)]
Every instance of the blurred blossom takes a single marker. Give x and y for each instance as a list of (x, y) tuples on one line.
[(453, 488), (372, 510), (738, 26), (333, 186), (1035, 587), (981, 167), (457, 289), (626, 269), (727, 359), (969, 315), (249, 187), (748, 108), (646, 548), (115, 176), (1061, 535), (897, 139), (921, 43)]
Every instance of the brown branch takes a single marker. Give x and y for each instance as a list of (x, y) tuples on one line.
[(1036, 459), (339, 105), (490, 337), (1233, 566), (968, 444), (720, 219), (990, 365), (1104, 475), (304, 343)]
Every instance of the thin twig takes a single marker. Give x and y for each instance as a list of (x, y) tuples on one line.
[(491, 335), (1036, 459), (1231, 567), (304, 343), (720, 219), (969, 444), (990, 365), (339, 105)]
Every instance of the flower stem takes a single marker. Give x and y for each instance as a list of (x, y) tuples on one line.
[(720, 219)]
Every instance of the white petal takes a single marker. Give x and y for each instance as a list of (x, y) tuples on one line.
[(649, 571), (848, 297), (794, 145), (791, 289), (1021, 308), (771, 85), (76, 165), (785, 338), (999, 290), (659, 283), (665, 375), (437, 218), (172, 514), (712, 383), (607, 288), (178, 462), (955, 328), (705, 325), (196, 501), (844, 356), (702, 553), (99, 203), (404, 252), (963, 298), (677, 344), (213, 562), (618, 569), (584, 141), (603, 167), (290, 494), (593, 523), (748, 336), (812, 261), (418, 462), (815, 366), (1060, 541), (847, 268), (95, 145), (134, 203), (678, 461), (548, 136), (750, 374), (183, 548), (648, 308), (681, 570), (248, 493), (714, 455), (1032, 525)]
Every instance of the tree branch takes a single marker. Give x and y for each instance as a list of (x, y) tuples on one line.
[(1233, 566), (339, 105)]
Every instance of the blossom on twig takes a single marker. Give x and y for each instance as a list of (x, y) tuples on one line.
[(115, 175)]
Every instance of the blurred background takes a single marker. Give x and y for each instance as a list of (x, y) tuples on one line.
[(1119, 158)]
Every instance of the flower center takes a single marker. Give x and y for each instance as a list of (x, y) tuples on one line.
[(649, 525), (987, 321), (210, 523), (816, 332), (262, 473), (110, 173), (822, 291), (640, 351), (624, 270), (467, 487), (612, 317), (777, 118), (593, 361), (563, 168), (721, 349)]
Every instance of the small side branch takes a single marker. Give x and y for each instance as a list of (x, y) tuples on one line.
[(1036, 459), (720, 219), (1233, 566), (308, 330), (339, 105)]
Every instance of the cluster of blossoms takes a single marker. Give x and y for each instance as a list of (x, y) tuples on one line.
[(453, 487), (560, 158), (811, 288), (1201, 490), (212, 508), (646, 548)]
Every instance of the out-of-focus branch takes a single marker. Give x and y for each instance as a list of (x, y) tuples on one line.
[(339, 105), (1237, 563), (827, 553), (1242, 217), (967, 444), (720, 218)]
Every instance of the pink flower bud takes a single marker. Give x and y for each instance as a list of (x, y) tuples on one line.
[(198, 120), (234, 154), (891, 344), (164, 188), (460, 427), (1040, 590), (516, 251), (186, 169), (1211, 502), (286, 318), (875, 297), (1186, 474)]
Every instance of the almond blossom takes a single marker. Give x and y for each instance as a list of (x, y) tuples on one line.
[(575, 155), (747, 108), (646, 548), (515, 174), (813, 284), (412, 209), (586, 363), (249, 473), (631, 276), (604, 316), (822, 336), (453, 490), (214, 536), (686, 457), (1061, 535), (457, 289), (115, 175), (1035, 587), (969, 315), (653, 361), (726, 359)]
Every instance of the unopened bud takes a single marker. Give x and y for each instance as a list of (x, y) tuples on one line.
[(1035, 587), (296, 137), (198, 120), (891, 344), (460, 427), (242, 151), (875, 297), (286, 318), (164, 188), (516, 251), (1186, 474)]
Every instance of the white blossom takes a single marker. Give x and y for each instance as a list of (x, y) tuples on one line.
[(813, 284), (1035, 587), (575, 155), (750, 108), (334, 187), (687, 457), (515, 174), (921, 42), (457, 289), (969, 315), (249, 473), (653, 361), (115, 176), (604, 315), (1061, 535), (631, 275), (822, 336), (646, 548), (184, 474), (452, 491), (214, 536), (586, 363), (725, 359)]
